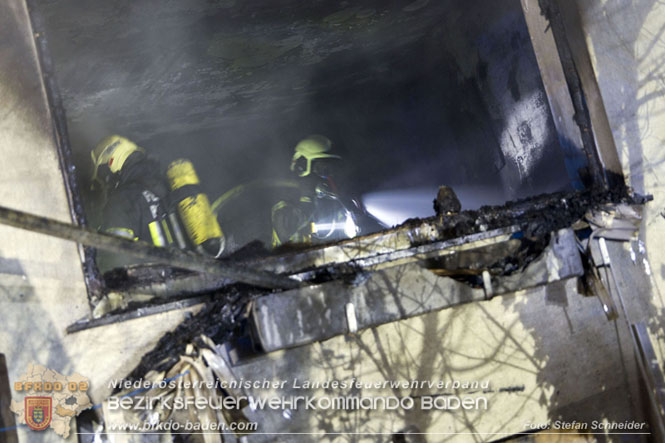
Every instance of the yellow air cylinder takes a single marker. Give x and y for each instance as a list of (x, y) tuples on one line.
[(194, 208)]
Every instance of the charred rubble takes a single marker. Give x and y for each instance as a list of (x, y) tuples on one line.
[(222, 318)]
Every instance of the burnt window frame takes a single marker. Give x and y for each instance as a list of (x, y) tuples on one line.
[(93, 279), (569, 51)]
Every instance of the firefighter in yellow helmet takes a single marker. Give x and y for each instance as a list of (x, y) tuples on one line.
[(320, 213), (142, 203)]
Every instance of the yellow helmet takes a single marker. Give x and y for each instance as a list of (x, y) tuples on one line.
[(308, 149), (112, 152)]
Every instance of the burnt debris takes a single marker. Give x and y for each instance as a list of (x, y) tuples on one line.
[(220, 320), (536, 217), (222, 317), (446, 202)]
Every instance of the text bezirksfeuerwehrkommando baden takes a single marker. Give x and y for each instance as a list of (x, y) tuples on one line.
[(295, 383), (293, 402)]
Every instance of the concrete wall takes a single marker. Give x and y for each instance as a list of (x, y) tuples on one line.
[(41, 283), (548, 354), (626, 43)]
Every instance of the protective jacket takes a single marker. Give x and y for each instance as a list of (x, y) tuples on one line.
[(319, 217), (138, 208)]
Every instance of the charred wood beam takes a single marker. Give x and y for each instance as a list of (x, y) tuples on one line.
[(161, 281), (130, 314), (550, 9), (416, 254), (170, 256), (91, 275), (537, 216), (600, 124)]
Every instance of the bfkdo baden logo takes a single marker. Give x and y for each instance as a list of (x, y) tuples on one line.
[(49, 399), (38, 412)]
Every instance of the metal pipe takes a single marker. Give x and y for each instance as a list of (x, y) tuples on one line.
[(169, 256)]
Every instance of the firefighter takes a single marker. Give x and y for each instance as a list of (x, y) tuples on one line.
[(143, 204), (318, 212)]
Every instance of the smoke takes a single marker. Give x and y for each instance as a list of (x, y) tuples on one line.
[(233, 86)]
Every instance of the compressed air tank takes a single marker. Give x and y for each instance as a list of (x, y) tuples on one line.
[(194, 209)]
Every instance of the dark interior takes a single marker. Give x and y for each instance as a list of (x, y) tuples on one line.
[(413, 94)]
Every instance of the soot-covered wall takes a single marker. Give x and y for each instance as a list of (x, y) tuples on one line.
[(413, 93)]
